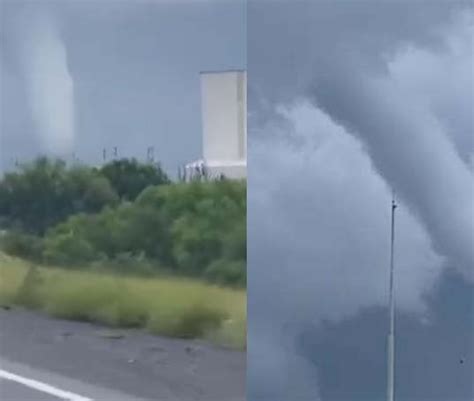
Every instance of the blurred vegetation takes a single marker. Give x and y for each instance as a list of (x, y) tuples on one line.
[(129, 178), (125, 216), (175, 307), (45, 192)]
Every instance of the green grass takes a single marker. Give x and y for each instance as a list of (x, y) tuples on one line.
[(164, 306)]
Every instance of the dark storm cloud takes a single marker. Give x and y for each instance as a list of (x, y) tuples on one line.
[(318, 218), (346, 54), (306, 40), (135, 69), (349, 99), (351, 359)]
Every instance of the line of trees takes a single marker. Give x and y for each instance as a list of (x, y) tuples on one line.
[(127, 216)]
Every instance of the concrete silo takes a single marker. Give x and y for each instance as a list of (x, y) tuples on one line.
[(224, 125)]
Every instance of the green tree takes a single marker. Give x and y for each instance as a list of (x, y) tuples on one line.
[(42, 193), (125, 215), (206, 221), (129, 177)]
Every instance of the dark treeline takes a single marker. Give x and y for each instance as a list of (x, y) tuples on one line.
[(125, 215)]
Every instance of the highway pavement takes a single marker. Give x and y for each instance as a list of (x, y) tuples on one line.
[(46, 359)]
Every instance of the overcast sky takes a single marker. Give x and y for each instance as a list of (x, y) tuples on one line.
[(349, 100), (78, 76)]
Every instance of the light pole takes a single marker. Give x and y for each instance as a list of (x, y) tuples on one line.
[(391, 332)]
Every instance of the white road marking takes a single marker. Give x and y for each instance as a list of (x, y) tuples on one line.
[(45, 388)]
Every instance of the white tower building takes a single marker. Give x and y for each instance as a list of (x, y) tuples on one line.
[(224, 125)]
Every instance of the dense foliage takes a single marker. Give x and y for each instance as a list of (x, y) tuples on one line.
[(46, 192), (125, 215), (128, 177)]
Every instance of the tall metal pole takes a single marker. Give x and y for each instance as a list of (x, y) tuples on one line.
[(391, 333)]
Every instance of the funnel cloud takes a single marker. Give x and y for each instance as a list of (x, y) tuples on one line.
[(49, 85), (101, 74)]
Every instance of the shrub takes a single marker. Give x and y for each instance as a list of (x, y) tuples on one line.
[(113, 217), (44, 192), (185, 227), (129, 177), (23, 245), (68, 250), (195, 321), (129, 263), (226, 272)]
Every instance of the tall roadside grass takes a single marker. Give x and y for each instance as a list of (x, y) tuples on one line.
[(164, 306)]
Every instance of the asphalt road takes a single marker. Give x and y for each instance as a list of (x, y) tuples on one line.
[(10, 390), (45, 359)]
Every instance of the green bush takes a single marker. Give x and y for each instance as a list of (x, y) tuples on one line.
[(45, 192), (129, 177), (195, 321), (206, 220), (227, 272), (68, 250), (23, 245), (185, 227), (125, 216), (129, 263)]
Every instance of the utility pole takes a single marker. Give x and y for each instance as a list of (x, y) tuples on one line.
[(391, 333), (152, 154)]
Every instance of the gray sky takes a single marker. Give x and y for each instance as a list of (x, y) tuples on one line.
[(78, 76), (349, 100)]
